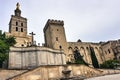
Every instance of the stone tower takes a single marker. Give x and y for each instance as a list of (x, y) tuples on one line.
[(18, 24), (18, 28), (54, 34)]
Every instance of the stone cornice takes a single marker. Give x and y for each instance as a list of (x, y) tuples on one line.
[(29, 49)]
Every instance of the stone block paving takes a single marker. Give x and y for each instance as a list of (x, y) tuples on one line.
[(106, 77)]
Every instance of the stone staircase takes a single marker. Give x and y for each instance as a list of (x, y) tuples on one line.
[(51, 72), (5, 74), (55, 72)]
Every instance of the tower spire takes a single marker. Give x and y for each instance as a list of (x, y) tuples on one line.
[(17, 10)]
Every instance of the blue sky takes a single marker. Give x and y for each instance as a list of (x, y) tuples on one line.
[(88, 20)]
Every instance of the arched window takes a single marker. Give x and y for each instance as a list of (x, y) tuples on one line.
[(16, 28), (21, 24), (16, 23), (21, 29), (60, 47)]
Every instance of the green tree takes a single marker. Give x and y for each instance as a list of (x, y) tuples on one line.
[(3, 46), (5, 43), (93, 57), (78, 58)]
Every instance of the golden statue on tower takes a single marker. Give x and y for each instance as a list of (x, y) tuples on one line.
[(17, 6)]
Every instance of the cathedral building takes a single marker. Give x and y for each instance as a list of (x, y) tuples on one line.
[(55, 39)]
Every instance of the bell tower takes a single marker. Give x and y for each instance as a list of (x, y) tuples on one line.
[(18, 24), (18, 28)]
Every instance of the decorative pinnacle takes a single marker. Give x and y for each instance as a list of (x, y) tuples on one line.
[(17, 6)]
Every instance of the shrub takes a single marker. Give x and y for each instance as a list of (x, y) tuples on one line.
[(110, 64)]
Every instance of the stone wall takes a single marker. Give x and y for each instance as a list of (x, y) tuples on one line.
[(84, 50), (55, 72), (108, 51), (31, 57), (21, 41), (5, 74), (55, 36)]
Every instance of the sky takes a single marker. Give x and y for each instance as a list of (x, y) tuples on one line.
[(88, 20)]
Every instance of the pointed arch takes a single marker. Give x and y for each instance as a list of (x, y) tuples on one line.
[(70, 50), (88, 55), (98, 55), (102, 54), (70, 54), (69, 47), (76, 48), (83, 53)]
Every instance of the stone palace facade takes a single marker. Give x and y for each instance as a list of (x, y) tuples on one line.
[(56, 50)]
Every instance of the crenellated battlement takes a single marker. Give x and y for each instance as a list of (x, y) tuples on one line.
[(51, 21), (54, 22)]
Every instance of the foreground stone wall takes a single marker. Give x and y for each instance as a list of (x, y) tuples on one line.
[(55, 72), (31, 57)]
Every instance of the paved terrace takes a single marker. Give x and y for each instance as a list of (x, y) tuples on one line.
[(106, 77)]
